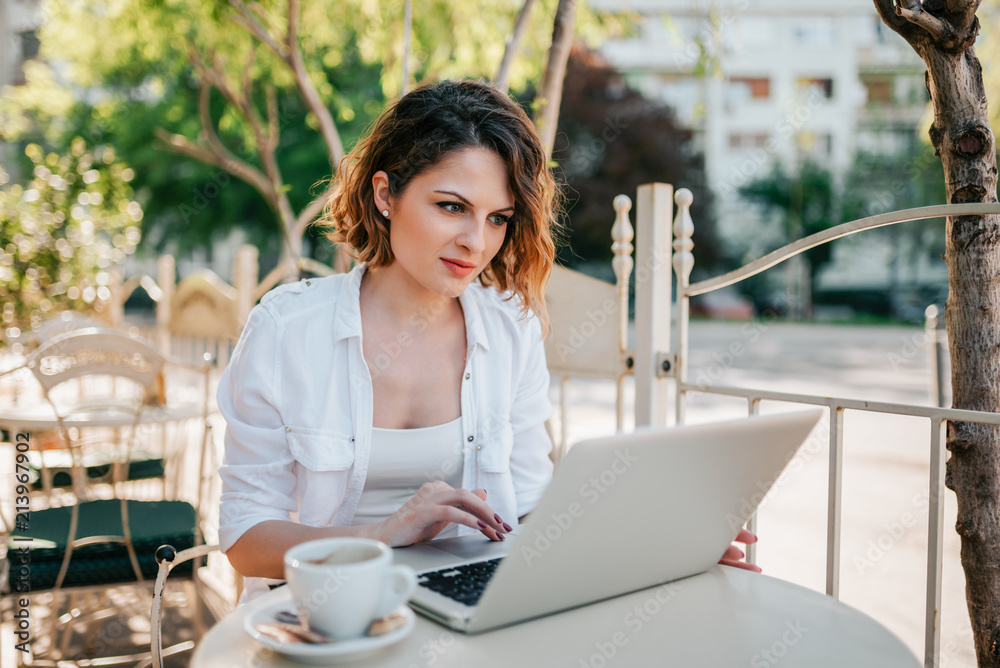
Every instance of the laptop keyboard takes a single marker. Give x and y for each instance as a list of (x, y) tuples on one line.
[(464, 583)]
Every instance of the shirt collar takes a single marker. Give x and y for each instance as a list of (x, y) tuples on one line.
[(348, 321), (475, 332)]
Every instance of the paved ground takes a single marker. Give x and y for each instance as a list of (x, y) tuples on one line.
[(886, 464)]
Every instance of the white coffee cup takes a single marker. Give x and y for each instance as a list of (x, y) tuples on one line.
[(341, 585)]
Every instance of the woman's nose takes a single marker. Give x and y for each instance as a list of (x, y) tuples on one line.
[(473, 236)]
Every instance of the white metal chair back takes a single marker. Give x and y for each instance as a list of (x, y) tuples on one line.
[(95, 351)]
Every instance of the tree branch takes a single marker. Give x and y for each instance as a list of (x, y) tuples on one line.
[(183, 146), (273, 127), (964, 13), (913, 11), (334, 147), (407, 30), (208, 134), (500, 81), (292, 40), (247, 81), (550, 89), (887, 12), (291, 56), (254, 25), (312, 210)]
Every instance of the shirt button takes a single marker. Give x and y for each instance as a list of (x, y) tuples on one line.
[(471, 439), (468, 376), (308, 283), (479, 447), (288, 428)]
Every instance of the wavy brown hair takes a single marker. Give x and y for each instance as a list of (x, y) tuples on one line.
[(418, 131)]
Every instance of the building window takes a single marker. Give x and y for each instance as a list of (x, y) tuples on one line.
[(816, 31), (29, 45), (814, 145), (747, 141), (758, 88), (824, 85), (878, 89), (28, 42)]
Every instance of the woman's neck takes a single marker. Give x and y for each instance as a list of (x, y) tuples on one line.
[(400, 303)]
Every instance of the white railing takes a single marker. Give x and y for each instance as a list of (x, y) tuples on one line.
[(663, 363)]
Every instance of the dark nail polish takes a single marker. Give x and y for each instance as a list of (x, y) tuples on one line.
[(482, 524), (508, 527), (500, 536), (497, 518)]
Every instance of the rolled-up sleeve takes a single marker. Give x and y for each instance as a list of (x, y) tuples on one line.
[(530, 465), (258, 473)]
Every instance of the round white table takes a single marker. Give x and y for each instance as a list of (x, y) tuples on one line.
[(722, 618), (40, 416)]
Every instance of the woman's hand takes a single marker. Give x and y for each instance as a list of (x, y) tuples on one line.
[(435, 506), (733, 554)]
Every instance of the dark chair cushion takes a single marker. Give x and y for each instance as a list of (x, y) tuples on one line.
[(153, 523), (141, 466)]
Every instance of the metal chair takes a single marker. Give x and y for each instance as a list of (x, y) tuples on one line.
[(100, 536), (168, 558)]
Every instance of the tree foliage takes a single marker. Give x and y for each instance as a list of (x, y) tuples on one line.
[(611, 140), (138, 66), (803, 202), (63, 231)]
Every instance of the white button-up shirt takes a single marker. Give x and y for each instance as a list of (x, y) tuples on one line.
[(298, 403)]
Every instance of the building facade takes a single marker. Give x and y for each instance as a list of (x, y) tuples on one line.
[(765, 81)]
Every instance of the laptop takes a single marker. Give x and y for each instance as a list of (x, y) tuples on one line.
[(621, 514)]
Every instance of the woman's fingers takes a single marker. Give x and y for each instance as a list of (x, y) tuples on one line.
[(746, 537), (474, 503), (434, 506), (741, 564), (460, 516), (733, 553)]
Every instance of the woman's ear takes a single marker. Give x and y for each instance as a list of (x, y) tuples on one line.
[(380, 191)]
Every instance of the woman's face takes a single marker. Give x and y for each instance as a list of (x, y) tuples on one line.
[(449, 222)]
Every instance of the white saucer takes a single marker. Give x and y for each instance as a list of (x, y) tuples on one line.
[(335, 651)]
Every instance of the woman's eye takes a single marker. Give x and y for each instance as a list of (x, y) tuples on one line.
[(499, 219), (451, 207)]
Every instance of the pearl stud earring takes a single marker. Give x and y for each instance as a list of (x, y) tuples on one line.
[(385, 212)]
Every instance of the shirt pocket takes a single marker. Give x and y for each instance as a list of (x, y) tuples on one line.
[(319, 450), (496, 444)]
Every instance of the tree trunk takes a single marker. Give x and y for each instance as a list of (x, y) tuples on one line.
[(943, 33), (550, 88), (961, 135)]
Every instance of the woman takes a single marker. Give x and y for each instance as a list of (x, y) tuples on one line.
[(371, 403), (403, 401)]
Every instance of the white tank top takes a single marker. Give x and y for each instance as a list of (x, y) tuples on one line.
[(401, 460)]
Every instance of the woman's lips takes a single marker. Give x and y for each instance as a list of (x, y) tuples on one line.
[(457, 268)]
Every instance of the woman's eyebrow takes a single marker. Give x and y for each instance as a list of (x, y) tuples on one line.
[(465, 201)]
